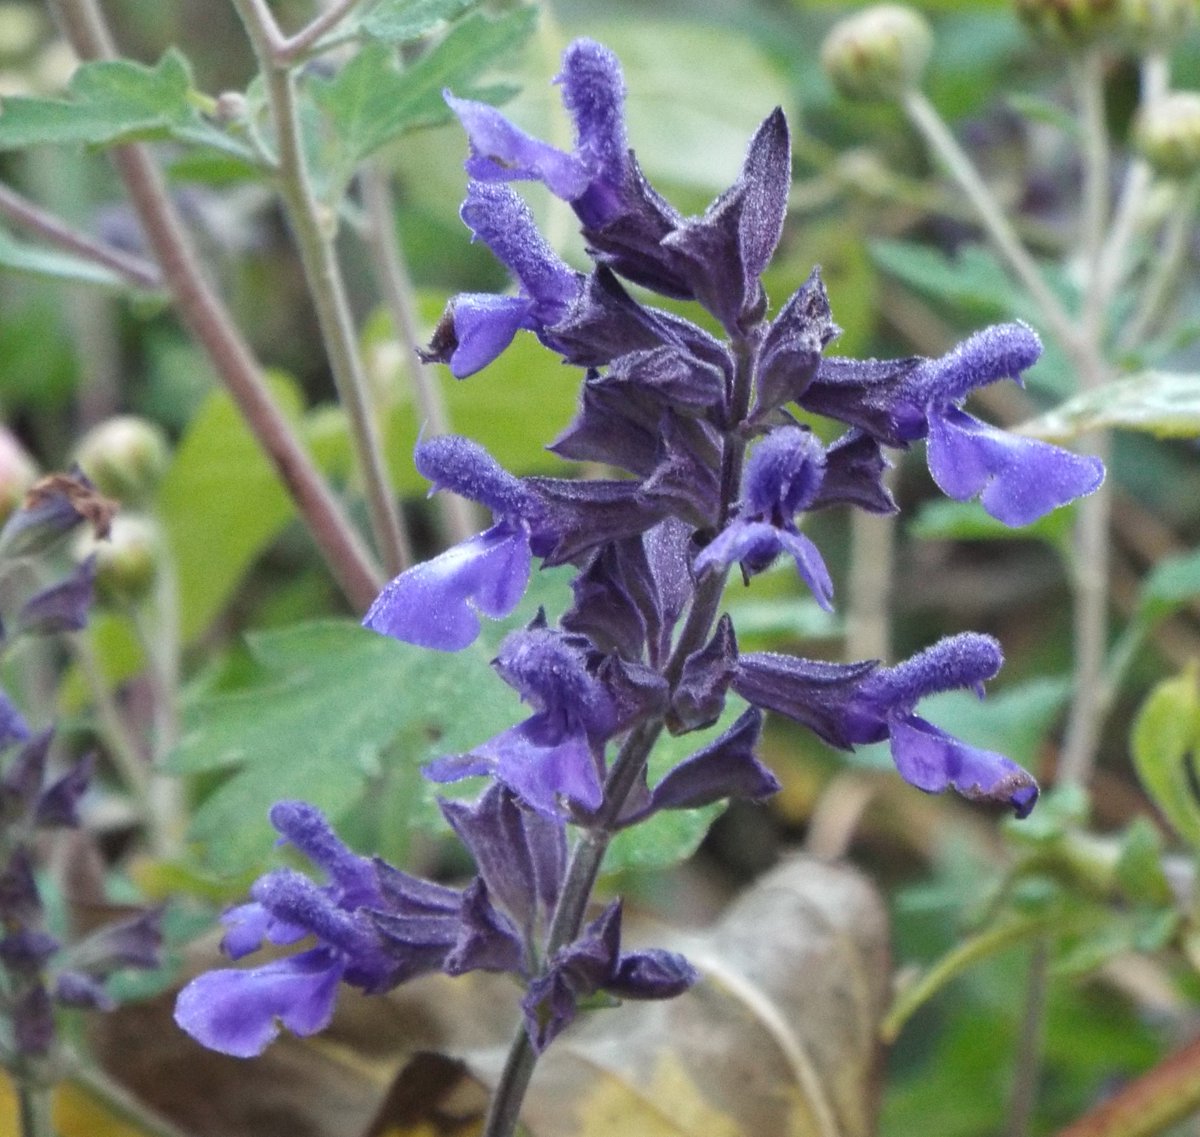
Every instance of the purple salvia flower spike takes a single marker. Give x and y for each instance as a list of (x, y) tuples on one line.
[(59, 802), (792, 347), (496, 215), (1016, 479), (13, 727), (239, 1012), (699, 697), (436, 604), (22, 782), (451, 462), (593, 92), (725, 768), (502, 152), (486, 940), (61, 607), (492, 828), (783, 477)]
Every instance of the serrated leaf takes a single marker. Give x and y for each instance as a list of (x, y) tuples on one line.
[(328, 699), (110, 101), (1163, 403), (1165, 742), (1171, 584), (402, 21), (371, 102), (38, 260)]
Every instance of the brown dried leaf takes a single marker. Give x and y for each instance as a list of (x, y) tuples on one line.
[(779, 1037)]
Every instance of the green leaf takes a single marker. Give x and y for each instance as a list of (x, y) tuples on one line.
[(402, 21), (42, 261), (221, 503), (1139, 864), (326, 702), (110, 101), (674, 834), (370, 102), (1164, 742), (1165, 404), (967, 521), (1038, 109), (971, 282), (1172, 583)]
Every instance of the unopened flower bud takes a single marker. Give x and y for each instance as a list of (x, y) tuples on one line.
[(1155, 25), (127, 563), (126, 457), (1069, 22), (17, 472), (231, 106), (1168, 134), (879, 53)]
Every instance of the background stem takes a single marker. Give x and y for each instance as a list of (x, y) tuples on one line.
[(314, 235), (210, 325)]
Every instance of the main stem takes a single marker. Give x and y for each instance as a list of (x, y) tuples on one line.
[(314, 238), (630, 764)]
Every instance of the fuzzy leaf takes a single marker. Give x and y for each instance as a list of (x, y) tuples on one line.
[(1166, 743), (39, 260), (403, 21), (1162, 403), (109, 102), (1171, 584), (371, 102), (325, 702)]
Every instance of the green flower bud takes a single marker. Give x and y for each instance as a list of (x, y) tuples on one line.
[(1168, 134), (126, 457), (1156, 25), (127, 562), (878, 53), (17, 473), (1070, 22)]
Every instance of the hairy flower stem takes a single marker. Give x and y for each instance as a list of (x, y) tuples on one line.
[(314, 238), (630, 764), (211, 326), (1089, 79)]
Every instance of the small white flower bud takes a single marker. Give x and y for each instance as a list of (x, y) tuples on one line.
[(127, 562), (126, 457), (231, 106), (878, 53), (1168, 134)]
